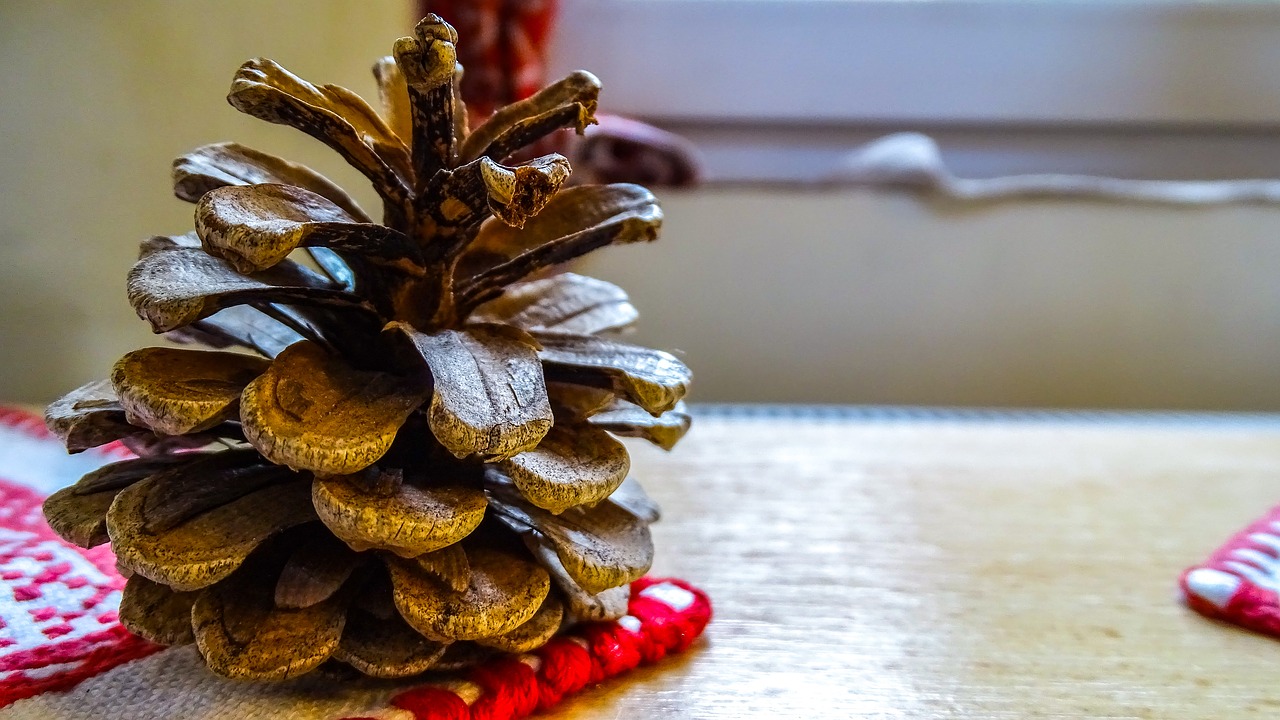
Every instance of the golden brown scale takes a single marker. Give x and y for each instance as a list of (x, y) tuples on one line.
[(415, 466)]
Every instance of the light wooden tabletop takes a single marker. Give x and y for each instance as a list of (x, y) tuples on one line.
[(954, 569)]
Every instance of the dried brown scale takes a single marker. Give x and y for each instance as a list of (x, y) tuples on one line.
[(531, 130), (156, 612), (227, 164), (570, 211), (211, 480), (490, 400), (473, 192), (519, 193), (505, 592), (632, 497), (652, 379), (210, 546), (534, 632), (87, 417), (261, 89), (581, 605), (123, 473), (145, 444), (177, 287), (241, 633), (255, 227), (489, 283), (309, 411), (247, 326), (449, 565), (579, 88), (427, 63), (157, 243), (571, 404), (316, 570), (409, 521), (567, 302), (174, 391), (386, 648), (415, 468), (601, 547), (79, 513), (393, 92), (571, 466), (627, 420)]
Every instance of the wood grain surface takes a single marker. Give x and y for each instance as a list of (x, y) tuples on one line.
[(945, 569)]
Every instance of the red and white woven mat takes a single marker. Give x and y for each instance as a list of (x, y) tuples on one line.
[(65, 656), (1240, 582)]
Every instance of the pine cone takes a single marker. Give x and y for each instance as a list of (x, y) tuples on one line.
[(418, 466)]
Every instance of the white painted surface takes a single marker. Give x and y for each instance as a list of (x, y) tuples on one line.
[(780, 90), (956, 61)]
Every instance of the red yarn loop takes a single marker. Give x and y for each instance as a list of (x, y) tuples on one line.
[(566, 669), (613, 650), (510, 690)]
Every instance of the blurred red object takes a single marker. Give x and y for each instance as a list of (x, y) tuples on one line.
[(503, 53)]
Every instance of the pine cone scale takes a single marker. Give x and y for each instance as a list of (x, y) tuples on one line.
[(315, 572), (265, 90), (578, 92), (567, 303), (311, 411), (571, 466), (208, 546), (157, 612), (503, 593), (231, 164), (490, 400), (409, 521), (242, 634), (173, 391), (386, 648)]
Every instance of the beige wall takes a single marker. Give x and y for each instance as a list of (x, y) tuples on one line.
[(96, 99), (848, 296), (773, 295)]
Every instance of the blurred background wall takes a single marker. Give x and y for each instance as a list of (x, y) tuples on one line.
[(844, 296), (96, 99), (770, 294)]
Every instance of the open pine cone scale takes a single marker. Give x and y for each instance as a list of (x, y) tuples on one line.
[(416, 464)]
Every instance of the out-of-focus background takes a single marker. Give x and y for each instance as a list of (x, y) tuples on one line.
[(773, 285)]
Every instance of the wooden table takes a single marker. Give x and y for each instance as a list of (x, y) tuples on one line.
[(954, 568)]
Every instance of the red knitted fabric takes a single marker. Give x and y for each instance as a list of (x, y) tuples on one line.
[(1240, 582), (566, 669), (432, 702), (58, 602), (665, 616)]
